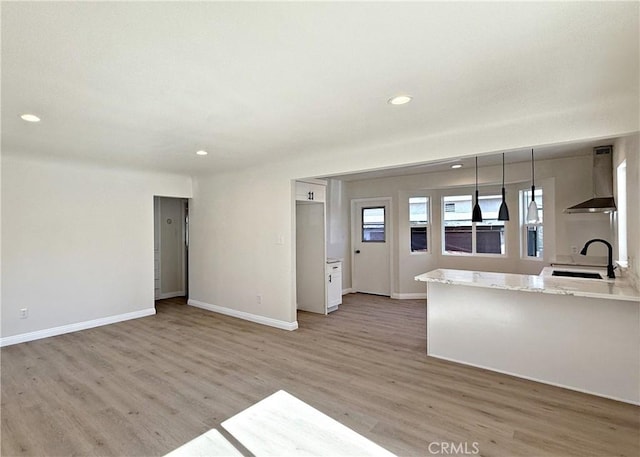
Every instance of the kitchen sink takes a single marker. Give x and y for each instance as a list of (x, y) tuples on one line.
[(576, 274)]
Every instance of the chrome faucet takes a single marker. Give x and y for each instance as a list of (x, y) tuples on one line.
[(610, 273)]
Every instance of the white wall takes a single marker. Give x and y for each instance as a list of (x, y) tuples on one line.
[(236, 221), (78, 241), (338, 239)]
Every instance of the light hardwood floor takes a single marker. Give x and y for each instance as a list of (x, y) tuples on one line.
[(146, 386)]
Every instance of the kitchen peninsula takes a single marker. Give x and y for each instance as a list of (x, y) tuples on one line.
[(580, 334)]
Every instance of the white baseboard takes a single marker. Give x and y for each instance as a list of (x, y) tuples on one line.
[(246, 316), (39, 334), (395, 296), (411, 296), (180, 293)]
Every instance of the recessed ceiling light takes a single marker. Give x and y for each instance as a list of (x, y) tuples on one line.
[(30, 118), (202, 153), (456, 165), (400, 100)]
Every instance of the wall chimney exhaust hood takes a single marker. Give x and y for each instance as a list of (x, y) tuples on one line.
[(602, 201)]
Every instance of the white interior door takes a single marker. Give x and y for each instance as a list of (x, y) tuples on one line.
[(156, 247), (311, 258), (371, 241)]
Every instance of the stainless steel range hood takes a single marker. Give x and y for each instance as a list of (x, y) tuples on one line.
[(602, 201)]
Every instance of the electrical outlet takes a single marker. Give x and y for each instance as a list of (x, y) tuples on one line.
[(259, 299), (24, 313)]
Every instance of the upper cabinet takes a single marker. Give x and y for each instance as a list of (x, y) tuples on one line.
[(311, 191)]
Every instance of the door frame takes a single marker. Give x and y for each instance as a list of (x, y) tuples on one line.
[(355, 232), (157, 240), (185, 242)]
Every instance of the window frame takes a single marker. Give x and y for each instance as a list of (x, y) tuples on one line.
[(474, 241), (384, 224), (427, 225), (621, 214)]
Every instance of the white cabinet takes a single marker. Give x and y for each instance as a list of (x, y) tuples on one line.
[(308, 191), (334, 285)]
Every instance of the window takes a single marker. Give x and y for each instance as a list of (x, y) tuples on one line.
[(461, 236), (419, 223), (622, 212), (373, 228), (532, 234), (458, 232)]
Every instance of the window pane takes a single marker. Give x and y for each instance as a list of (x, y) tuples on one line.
[(458, 239), (490, 205), (457, 224), (490, 232), (418, 220), (418, 211), (373, 229), (457, 208), (490, 238), (534, 241), (418, 239), (527, 199)]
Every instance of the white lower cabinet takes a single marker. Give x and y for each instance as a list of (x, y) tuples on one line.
[(334, 285)]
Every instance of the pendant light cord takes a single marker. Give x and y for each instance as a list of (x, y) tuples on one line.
[(533, 182), (476, 174), (503, 211), (532, 170), (476, 214)]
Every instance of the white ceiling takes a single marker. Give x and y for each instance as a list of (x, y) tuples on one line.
[(147, 84)]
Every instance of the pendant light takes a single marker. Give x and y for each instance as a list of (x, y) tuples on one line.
[(503, 213), (477, 212), (532, 211)]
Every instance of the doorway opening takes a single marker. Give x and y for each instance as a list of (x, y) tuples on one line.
[(171, 247)]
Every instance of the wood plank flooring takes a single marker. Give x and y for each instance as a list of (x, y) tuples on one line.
[(146, 386)]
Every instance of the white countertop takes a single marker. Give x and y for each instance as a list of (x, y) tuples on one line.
[(618, 289)]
